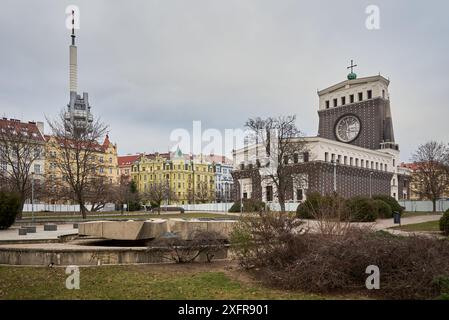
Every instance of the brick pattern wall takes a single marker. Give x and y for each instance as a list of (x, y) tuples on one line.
[(351, 181), (372, 114), (255, 179)]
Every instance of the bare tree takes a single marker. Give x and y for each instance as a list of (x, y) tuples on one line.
[(158, 192), (21, 145), (431, 174), (124, 193), (203, 192), (76, 159), (100, 192), (281, 140)]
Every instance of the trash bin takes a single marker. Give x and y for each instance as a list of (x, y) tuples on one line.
[(397, 217)]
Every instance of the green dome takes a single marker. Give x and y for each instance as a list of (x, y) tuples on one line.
[(352, 76)]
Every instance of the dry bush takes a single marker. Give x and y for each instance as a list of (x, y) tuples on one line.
[(185, 251), (328, 263), (266, 239)]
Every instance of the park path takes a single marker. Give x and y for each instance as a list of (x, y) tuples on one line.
[(383, 224)]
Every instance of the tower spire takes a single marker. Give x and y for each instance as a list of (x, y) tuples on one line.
[(73, 59), (73, 27)]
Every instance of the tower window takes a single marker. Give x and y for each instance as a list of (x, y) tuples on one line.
[(360, 96), (343, 101), (370, 94), (351, 98), (326, 156), (327, 104), (335, 102), (383, 93)]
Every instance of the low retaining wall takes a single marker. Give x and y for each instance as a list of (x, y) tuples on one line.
[(91, 256)]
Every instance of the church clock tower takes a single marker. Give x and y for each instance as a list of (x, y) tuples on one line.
[(357, 111)]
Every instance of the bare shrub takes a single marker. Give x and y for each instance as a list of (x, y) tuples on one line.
[(288, 257), (332, 215), (208, 243), (266, 239)]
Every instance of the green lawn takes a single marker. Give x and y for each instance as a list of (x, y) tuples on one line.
[(430, 226), (193, 281), (141, 215), (417, 214)]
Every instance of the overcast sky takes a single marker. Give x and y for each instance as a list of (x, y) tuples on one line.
[(152, 66)]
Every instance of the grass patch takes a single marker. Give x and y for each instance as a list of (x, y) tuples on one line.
[(409, 214), (429, 226), (134, 282)]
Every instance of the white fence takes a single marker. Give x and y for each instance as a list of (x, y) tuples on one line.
[(224, 207), (214, 207), (62, 207), (424, 206)]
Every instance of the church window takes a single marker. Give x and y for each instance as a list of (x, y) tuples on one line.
[(326, 156), (335, 102), (295, 158), (351, 98), (394, 162), (360, 96), (351, 161), (345, 159), (386, 168), (343, 101), (370, 94), (377, 165), (383, 93), (362, 163), (305, 156), (356, 162), (372, 164), (269, 193), (327, 104), (333, 157), (299, 195), (339, 159)]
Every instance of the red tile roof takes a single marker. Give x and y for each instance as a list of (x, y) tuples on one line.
[(28, 129), (127, 160)]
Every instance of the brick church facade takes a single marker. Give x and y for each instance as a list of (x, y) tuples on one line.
[(354, 153)]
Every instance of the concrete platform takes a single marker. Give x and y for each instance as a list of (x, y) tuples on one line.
[(12, 234), (124, 230), (186, 228)]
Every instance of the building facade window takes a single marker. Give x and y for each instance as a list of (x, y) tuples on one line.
[(370, 94), (360, 96)]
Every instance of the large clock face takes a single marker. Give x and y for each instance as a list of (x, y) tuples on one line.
[(347, 128)]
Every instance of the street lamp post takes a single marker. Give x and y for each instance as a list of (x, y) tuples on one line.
[(370, 184), (241, 198), (335, 162), (32, 197)]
